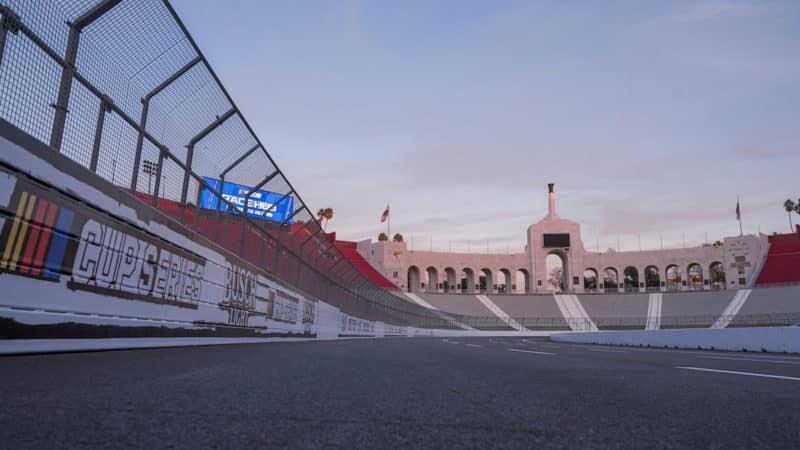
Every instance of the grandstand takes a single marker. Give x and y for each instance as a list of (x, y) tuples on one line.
[(782, 264)]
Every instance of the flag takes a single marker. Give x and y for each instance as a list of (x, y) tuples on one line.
[(385, 214), (738, 211)]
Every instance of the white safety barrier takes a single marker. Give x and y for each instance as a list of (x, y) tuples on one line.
[(761, 339)]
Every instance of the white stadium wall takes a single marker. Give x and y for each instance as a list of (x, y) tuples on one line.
[(740, 258)]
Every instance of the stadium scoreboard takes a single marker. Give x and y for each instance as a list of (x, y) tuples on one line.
[(555, 240)]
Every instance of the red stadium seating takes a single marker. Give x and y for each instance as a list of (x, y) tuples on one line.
[(229, 235), (783, 260), (348, 249)]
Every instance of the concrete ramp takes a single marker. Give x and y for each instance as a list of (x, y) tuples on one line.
[(733, 309), (654, 312), (574, 314), (420, 301), (491, 306)]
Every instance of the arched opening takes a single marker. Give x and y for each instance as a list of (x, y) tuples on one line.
[(433, 279), (486, 281), (556, 266), (450, 283), (610, 280), (523, 278), (673, 274), (504, 282), (468, 281), (413, 279), (716, 274), (631, 279), (695, 275), (652, 280), (590, 280)]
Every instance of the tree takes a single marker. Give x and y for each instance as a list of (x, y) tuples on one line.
[(383, 237), (326, 214), (397, 237), (790, 206), (797, 207)]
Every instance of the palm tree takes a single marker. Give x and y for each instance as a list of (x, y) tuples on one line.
[(383, 237), (328, 216), (797, 207), (789, 206), (398, 237), (320, 215), (324, 214)]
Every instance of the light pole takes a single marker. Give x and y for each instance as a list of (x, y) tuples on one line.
[(150, 168)]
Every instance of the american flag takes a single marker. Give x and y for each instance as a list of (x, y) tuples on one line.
[(385, 214)]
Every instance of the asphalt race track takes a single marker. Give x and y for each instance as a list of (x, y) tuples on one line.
[(401, 393)]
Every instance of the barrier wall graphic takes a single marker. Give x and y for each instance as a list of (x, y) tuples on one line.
[(66, 260)]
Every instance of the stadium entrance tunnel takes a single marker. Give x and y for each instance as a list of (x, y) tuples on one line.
[(557, 271)]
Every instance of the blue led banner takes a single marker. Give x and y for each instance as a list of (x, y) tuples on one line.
[(261, 204)]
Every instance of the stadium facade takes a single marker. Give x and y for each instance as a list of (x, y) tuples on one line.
[(734, 264)]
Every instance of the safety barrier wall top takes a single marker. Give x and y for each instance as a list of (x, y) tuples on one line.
[(120, 87)]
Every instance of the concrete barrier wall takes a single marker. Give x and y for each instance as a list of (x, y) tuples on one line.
[(81, 258), (769, 339)]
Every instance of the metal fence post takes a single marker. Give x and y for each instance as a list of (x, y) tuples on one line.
[(247, 202), (159, 168), (105, 107), (217, 215), (68, 72), (10, 23), (190, 155), (145, 110)]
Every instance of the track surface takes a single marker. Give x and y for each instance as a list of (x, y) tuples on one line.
[(400, 393)]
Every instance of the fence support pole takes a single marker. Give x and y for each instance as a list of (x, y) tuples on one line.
[(217, 217), (105, 107), (190, 156), (247, 202), (68, 72), (10, 23), (145, 110)]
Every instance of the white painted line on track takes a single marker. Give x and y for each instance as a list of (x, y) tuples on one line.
[(473, 345), (761, 360), (735, 372), (606, 351), (529, 351), (449, 342)]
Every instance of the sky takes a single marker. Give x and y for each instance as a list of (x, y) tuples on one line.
[(650, 117)]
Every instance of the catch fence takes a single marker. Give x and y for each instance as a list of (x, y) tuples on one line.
[(121, 87)]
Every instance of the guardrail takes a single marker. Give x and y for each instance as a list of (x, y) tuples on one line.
[(122, 88)]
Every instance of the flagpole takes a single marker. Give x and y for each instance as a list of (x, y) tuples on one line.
[(389, 221), (739, 215)]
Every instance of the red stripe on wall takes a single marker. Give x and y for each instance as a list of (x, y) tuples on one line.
[(36, 228), (45, 239)]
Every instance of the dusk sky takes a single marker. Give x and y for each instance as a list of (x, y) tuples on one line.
[(650, 117)]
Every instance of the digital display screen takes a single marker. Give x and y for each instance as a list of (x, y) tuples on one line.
[(552, 240), (260, 205)]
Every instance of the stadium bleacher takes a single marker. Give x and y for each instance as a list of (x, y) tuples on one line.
[(771, 306), (532, 311), (693, 309), (616, 311), (782, 265), (349, 250)]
